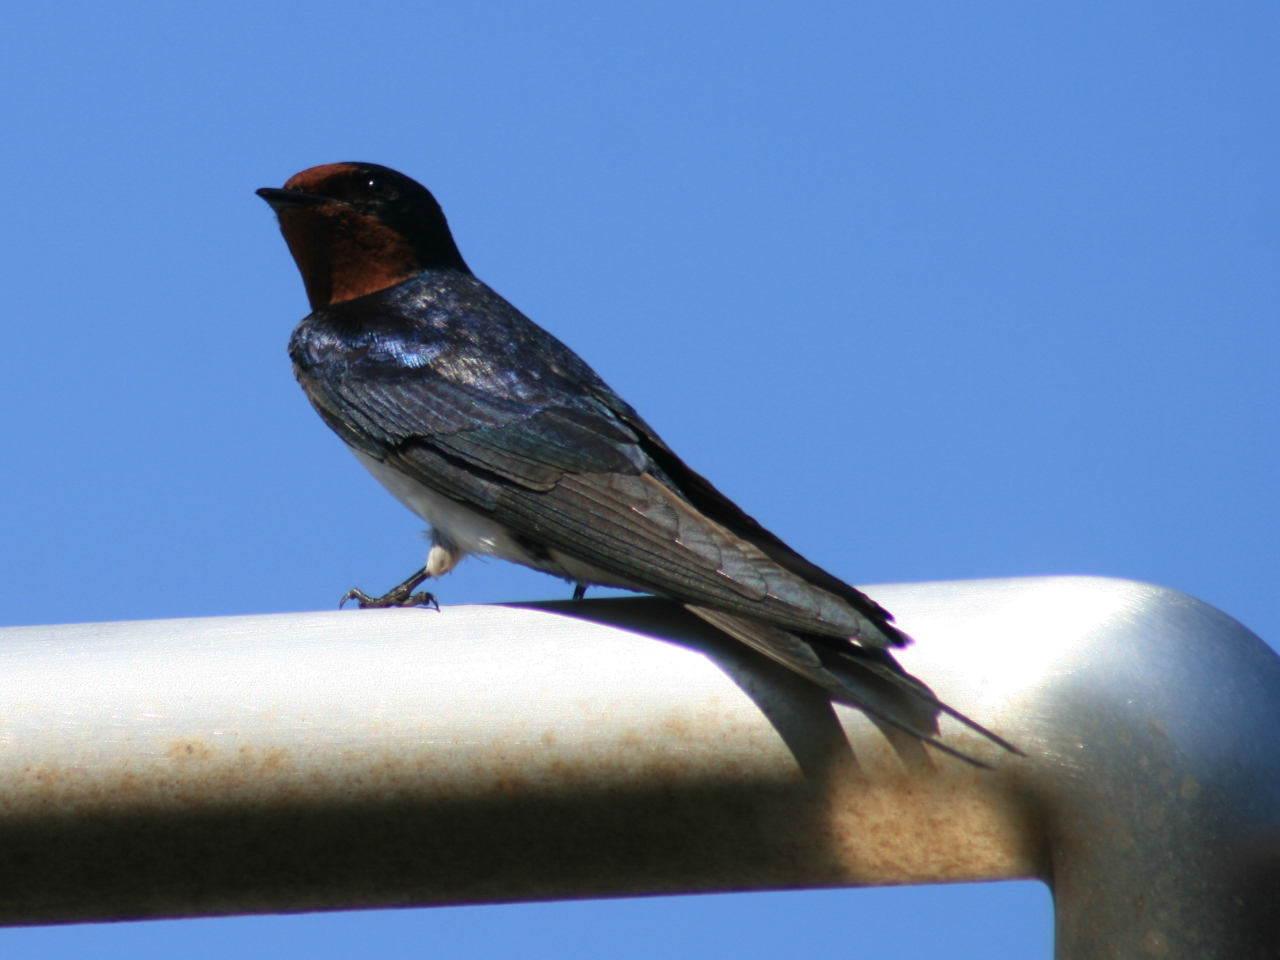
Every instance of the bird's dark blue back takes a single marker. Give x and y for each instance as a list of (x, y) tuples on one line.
[(447, 324)]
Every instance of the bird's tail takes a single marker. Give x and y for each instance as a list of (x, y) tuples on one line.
[(863, 677)]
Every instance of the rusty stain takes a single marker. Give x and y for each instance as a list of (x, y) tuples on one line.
[(189, 750), (941, 829)]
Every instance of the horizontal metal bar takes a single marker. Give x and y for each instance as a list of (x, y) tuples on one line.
[(482, 754)]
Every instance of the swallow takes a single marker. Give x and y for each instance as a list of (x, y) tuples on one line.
[(508, 445)]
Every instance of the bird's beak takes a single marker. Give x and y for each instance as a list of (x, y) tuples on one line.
[(282, 200)]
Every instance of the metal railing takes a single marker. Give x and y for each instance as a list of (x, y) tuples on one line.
[(481, 754)]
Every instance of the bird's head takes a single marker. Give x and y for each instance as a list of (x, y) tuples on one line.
[(356, 228)]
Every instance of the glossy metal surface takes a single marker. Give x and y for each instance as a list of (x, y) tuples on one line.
[(482, 754)]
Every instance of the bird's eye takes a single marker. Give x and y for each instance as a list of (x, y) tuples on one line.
[(380, 188)]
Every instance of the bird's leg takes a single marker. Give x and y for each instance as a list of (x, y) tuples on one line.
[(401, 596), (579, 591)]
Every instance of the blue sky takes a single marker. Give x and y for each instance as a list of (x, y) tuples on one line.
[(934, 290)]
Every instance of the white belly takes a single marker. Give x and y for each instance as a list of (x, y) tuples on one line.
[(458, 530), (464, 528)]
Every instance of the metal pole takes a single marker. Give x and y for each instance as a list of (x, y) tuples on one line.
[(482, 754)]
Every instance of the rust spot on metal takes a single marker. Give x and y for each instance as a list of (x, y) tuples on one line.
[(189, 750)]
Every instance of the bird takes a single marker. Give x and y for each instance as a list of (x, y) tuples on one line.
[(509, 445)]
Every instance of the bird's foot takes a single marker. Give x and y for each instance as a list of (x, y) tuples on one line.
[(401, 596), (579, 591)]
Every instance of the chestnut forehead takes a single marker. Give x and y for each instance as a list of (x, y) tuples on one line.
[(314, 178)]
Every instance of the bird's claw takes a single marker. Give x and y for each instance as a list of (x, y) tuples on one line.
[(401, 596), (394, 598)]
